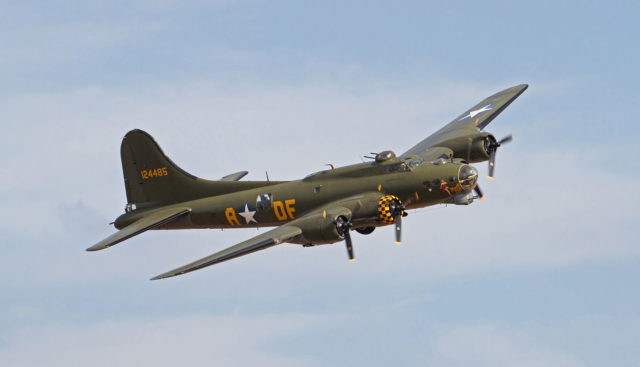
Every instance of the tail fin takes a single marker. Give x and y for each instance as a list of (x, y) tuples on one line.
[(152, 179), (149, 175)]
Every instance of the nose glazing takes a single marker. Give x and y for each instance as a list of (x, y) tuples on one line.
[(468, 177)]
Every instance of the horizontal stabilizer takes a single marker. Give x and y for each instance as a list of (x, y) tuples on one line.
[(257, 243), (234, 176), (151, 220)]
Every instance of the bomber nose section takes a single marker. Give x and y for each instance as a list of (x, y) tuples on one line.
[(468, 177)]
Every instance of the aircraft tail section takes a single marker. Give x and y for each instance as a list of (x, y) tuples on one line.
[(152, 179), (149, 175)]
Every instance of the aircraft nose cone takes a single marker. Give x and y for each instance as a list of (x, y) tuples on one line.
[(468, 177)]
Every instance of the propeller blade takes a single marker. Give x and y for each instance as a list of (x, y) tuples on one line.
[(492, 162), (506, 139), (478, 191), (343, 225), (398, 222), (492, 153), (347, 239)]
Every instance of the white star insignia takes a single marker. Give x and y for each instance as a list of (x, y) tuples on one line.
[(474, 113), (248, 215)]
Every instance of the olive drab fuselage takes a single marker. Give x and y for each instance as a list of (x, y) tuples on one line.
[(416, 183)]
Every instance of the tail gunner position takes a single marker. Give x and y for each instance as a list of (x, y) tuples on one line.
[(321, 208)]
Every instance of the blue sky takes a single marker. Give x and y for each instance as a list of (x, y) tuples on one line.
[(542, 272)]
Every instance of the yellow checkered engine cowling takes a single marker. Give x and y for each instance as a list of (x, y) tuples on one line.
[(384, 208)]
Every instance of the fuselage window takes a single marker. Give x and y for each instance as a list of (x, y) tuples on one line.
[(263, 201)]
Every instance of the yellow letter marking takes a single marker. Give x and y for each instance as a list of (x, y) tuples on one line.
[(290, 209), (278, 209), (231, 217)]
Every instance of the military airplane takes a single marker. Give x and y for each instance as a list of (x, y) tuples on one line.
[(323, 207)]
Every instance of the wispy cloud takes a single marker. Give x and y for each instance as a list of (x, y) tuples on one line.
[(486, 344), (230, 340)]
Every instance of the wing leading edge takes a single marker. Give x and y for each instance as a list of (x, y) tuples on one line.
[(257, 243), (473, 120)]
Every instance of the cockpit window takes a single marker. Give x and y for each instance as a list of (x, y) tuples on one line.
[(400, 167), (414, 163)]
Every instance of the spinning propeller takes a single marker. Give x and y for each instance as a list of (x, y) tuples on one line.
[(397, 212), (343, 225), (491, 146)]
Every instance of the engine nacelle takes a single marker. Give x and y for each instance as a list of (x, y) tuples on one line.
[(388, 207), (321, 228), (472, 148)]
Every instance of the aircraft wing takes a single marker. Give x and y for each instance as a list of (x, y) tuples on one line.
[(473, 120), (260, 242), (151, 220)]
